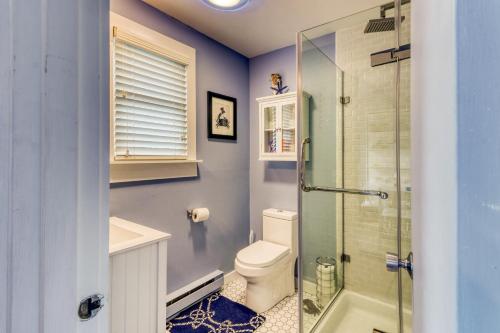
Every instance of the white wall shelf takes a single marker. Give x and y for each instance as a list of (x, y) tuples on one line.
[(278, 123)]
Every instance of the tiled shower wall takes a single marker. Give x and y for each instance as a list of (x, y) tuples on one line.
[(370, 223)]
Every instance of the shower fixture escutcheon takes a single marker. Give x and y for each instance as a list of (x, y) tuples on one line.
[(308, 188)]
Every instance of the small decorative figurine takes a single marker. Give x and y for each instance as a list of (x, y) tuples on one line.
[(277, 84)]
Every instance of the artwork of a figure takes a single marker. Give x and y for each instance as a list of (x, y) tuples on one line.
[(277, 84), (222, 120), (221, 116)]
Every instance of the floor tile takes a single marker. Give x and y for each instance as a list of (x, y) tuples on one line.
[(282, 318)]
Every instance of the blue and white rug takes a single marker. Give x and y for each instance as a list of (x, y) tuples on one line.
[(216, 314)]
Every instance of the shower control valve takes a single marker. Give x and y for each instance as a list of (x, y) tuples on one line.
[(393, 263)]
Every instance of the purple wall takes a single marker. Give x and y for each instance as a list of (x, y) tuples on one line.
[(272, 184), (232, 182), (223, 183)]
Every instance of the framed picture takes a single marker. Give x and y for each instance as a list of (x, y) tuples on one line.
[(221, 116)]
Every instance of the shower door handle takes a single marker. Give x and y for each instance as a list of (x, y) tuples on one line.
[(302, 168), (308, 188)]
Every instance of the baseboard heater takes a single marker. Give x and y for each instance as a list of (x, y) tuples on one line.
[(193, 292)]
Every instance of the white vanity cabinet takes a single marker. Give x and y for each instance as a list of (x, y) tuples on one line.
[(278, 124), (138, 277)]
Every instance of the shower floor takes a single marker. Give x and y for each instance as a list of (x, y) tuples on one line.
[(353, 312)]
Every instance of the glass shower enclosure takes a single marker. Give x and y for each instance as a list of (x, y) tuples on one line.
[(354, 175)]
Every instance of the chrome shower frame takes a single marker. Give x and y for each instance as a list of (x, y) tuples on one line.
[(300, 100), (397, 17)]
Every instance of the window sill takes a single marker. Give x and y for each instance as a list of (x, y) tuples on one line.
[(132, 171)]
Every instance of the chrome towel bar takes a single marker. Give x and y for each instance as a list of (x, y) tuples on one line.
[(308, 188)]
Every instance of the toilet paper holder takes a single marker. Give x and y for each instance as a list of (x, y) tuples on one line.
[(191, 214)]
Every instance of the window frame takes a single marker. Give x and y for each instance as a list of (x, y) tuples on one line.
[(153, 41), (136, 168)]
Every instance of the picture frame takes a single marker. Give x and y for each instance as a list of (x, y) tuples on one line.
[(222, 116)]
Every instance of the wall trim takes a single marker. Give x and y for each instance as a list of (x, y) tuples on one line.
[(434, 165)]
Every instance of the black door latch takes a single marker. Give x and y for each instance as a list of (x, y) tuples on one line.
[(90, 306)]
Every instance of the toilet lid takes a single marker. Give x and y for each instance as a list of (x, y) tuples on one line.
[(262, 254)]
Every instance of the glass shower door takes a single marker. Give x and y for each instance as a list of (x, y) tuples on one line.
[(353, 139), (322, 275)]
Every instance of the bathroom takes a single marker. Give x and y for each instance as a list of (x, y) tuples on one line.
[(248, 166), (238, 183)]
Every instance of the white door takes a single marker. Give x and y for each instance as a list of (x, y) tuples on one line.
[(53, 165)]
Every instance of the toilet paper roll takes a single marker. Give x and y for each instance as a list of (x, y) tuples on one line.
[(200, 214), (320, 269)]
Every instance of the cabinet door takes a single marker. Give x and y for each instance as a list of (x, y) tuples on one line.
[(288, 124), (269, 116)]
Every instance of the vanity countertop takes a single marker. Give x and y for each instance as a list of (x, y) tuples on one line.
[(125, 235)]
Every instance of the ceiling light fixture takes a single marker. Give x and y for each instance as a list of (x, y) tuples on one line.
[(227, 5)]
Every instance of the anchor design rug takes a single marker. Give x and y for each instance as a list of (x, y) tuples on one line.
[(216, 314)]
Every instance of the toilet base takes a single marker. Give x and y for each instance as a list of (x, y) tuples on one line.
[(266, 291)]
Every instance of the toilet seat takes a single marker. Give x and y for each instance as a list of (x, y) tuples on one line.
[(262, 254)]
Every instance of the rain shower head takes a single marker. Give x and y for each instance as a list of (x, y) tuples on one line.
[(384, 23), (381, 24)]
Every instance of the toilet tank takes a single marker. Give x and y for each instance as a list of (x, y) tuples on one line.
[(280, 227)]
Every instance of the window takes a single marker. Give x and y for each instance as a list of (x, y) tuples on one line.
[(150, 104), (152, 97)]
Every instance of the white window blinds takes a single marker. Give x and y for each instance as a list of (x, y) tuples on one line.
[(150, 104)]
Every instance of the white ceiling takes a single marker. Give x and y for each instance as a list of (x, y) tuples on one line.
[(263, 25)]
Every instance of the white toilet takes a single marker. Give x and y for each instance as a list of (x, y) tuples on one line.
[(268, 265)]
